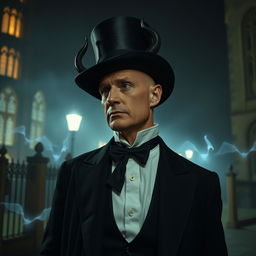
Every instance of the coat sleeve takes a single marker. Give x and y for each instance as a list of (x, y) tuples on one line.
[(214, 238), (52, 236)]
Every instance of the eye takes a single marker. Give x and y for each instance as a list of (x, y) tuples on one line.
[(104, 91), (126, 85)]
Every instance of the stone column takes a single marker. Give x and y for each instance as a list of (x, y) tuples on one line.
[(232, 220), (35, 194)]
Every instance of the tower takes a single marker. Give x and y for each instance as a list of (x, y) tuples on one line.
[(22, 107), (241, 35)]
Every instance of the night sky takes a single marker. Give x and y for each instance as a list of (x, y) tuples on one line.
[(194, 42)]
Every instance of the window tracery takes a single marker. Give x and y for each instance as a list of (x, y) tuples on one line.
[(8, 110), (249, 51), (12, 22), (9, 62), (37, 117)]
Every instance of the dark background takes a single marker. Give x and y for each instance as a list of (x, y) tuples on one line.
[(193, 41)]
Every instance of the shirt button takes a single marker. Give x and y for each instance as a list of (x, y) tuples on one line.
[(131, 213), (132, 178)]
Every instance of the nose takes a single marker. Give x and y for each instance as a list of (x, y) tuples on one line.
[(113, 96)]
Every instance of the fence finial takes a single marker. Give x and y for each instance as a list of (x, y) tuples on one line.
[(3, 151), (39, 148), (231, 170), (68, 156)]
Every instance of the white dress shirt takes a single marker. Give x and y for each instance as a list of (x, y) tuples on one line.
[(131, 206)]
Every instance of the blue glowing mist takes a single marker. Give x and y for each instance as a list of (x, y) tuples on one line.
[(189, 145), (18, 209), (48, 145), (225, 148)]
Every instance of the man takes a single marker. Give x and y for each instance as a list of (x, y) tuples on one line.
[(134, 196)]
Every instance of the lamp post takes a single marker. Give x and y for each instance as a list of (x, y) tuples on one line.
[(73, 121)]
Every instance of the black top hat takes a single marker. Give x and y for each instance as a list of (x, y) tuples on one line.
[(124, 43)]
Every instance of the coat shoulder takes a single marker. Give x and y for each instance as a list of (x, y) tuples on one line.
[(85, 156), (186, 166), (207, 182), (92, 157)]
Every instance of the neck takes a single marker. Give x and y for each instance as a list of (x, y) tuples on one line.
[(130, 136)]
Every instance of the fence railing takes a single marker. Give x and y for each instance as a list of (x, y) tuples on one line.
[(26, 189), (14, 197), (50, 185)]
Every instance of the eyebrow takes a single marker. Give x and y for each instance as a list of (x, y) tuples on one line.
[(118, 80)]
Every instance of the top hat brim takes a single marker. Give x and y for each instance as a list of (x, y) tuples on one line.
[(153, 65)]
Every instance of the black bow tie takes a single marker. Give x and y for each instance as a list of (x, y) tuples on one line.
[(120, 156)]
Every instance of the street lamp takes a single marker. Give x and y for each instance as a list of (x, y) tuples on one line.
[(73, 121), (101, 143), (189, 153)]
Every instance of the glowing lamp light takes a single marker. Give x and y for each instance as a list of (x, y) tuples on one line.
[(189, 153), (73, 121), (101, 144)]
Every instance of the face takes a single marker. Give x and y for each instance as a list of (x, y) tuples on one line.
[(128, 98)]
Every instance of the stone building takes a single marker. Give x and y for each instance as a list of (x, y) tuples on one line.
[(22, 106), (241, 36)]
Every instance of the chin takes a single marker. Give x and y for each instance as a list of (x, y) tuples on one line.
[(119, 126)]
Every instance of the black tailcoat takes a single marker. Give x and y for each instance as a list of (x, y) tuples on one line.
[(189, 213)]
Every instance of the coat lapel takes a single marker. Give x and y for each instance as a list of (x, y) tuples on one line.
[(91, 175), (177, 186)]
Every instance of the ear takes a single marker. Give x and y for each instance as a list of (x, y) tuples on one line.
[(155, 95)]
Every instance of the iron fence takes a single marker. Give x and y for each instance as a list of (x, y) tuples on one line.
[(14, 200)]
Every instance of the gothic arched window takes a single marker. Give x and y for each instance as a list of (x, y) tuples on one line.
[(16, 66), (8, 110), (5, 20), (18, 31), (37, 117), (3, 60), (12, 22), (249, 51), (9, 62)]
